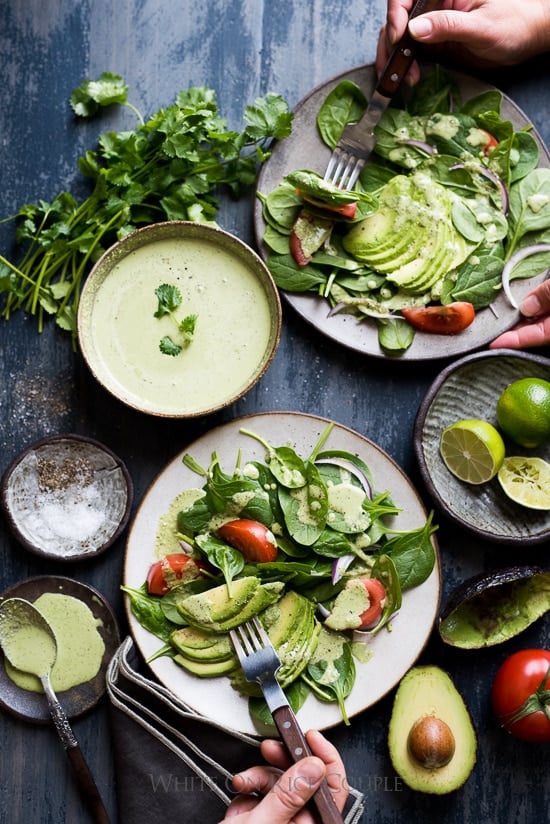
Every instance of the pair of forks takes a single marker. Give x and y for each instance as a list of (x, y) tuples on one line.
[(358, 139), (260, 663)]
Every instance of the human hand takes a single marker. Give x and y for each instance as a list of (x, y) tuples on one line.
[(535, 330), (483, 33), (285, 794)]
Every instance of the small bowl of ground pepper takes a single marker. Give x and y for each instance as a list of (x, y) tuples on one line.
[(66, 497)]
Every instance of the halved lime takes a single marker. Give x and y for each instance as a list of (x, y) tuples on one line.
[(473, 450), (526, 481)]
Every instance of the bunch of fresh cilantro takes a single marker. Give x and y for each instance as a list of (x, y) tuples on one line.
[(170, 167)]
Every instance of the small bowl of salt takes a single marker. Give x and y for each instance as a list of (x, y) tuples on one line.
[(67, 497)]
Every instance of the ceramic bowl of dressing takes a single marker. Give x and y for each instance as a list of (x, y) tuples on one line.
[(137, 351)]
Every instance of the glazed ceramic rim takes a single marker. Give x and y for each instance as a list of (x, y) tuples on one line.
[(13, 522), (179, 229)]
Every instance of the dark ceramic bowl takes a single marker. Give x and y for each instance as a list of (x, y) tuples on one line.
[(470, 388), (66, 497), (32, 706)]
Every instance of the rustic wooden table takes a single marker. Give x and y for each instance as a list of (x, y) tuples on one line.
[(242, 50)]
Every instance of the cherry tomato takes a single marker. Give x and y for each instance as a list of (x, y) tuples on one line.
[(520, 695), (170, 571), (441, 320), (344, 210), (377, 594), (491, 143), (253, 539)]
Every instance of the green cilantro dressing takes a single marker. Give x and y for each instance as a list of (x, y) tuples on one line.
[(231, 335), (80, 647), (167, 541)]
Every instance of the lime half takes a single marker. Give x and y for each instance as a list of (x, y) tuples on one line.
[(473, 450), (526, 481)]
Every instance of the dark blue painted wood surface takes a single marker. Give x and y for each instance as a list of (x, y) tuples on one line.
[(242, 50)]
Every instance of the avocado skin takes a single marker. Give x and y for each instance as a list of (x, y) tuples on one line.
[(490, 608), (424, 691)]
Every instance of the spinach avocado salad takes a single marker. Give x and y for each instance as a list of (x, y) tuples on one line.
[(451, 206), (307, 545)]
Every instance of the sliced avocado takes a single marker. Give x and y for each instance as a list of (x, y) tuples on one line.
[(202, 646), (216, 611), (206, 669), (294, 631), (431, 739)]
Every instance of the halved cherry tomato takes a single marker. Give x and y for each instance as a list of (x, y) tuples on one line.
[(377, 594), (520, 695), (441, 320), (344, 210), (491, 143), (170, 571), (253, 539)]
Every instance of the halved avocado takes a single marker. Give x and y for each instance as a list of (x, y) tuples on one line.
[(490, 608), (431, 738)]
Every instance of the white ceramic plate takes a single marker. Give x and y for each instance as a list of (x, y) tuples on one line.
[(470, 388), (393, 653), (305, 150)]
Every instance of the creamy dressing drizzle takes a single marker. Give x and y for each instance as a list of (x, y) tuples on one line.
[(80, 647), (231, 336)]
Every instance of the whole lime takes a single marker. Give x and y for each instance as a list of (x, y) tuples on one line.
[(523, 412)]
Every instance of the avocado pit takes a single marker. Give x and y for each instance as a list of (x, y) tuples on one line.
[(431, 743)]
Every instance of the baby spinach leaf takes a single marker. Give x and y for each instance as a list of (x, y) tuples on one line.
[(230, 561), (344, 104), (333, 679), (148, 611), (413, 554), (479, 282), (305, 508)]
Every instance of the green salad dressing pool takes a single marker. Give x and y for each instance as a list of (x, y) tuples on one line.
[(80, 647)]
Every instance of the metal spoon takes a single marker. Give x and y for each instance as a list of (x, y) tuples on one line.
[(29, 644)]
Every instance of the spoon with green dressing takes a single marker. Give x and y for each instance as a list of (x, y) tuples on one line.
[(29, 644)]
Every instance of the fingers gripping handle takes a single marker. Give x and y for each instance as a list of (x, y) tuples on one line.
[(403, 54)]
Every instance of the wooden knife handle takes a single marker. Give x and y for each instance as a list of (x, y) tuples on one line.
[(87, 785), (295, 741), (403, 53)]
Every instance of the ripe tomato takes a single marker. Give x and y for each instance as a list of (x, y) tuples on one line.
[(170, 571), (253, 539), (491, 143), (377, 594), (441, 320), (344, 210), (520, 695)]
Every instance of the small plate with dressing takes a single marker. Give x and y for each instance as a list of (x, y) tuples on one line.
[(32, 706)]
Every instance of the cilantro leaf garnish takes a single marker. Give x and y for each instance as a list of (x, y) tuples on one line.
[(169, 299), (172, 166)]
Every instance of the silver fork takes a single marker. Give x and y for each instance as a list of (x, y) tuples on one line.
[(358, 139), (260, 663)]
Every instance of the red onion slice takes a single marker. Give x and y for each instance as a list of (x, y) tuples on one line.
[(493, 177)]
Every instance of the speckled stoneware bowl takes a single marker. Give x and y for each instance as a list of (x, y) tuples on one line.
[(123, 330), (470, 388), (66, 497)]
